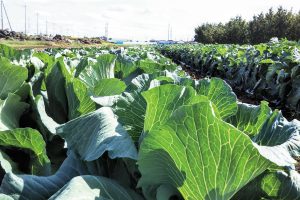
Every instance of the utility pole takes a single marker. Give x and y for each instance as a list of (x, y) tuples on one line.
[(37, 23), (46, 26), (3, 6), (25, 19), (106, 31), (169, 32), (2, 14)]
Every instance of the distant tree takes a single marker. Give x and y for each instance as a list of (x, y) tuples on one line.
[(210, 33), (295, 27), (236, 31), (219, 33), (281, 24), (201, 33), (257, 29)]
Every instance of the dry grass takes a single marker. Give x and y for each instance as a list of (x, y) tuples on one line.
[(34, 44)]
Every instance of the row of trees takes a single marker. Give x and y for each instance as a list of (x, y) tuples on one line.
[(281, 24)]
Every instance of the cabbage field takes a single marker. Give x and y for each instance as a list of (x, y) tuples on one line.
[(132, 124), (265, 72)]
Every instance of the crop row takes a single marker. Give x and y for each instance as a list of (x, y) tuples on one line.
[(127, 124), (265, 72)]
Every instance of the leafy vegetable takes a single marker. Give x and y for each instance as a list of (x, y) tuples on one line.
[(127, 123)]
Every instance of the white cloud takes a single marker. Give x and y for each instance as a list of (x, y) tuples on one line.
[(138, 19)]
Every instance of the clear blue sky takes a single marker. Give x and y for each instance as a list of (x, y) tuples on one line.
[(138, 19)]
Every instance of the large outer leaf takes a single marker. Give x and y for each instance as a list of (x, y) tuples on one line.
[(294, 95), (282, 185), (56, 80), (130, 109), (124, 68), (13, 54), (277, 131), (109, 87), (272, 185), (163, 101), (11, 77), (281, 137), (79, 101), (250, 118), (11, 110), (44, 122), (47, 60), (5, 197), (152, 66), (29, 187), (103, 68), (141, 83), (93, 134), (201, 155), (284, 138), (93, 187), (130, 106), (24, 91), (8, 52), (221, 94), (32, 141), (7, 164)]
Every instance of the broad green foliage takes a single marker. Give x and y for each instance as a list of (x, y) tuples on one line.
[(220, 94), (79, 102), (272, 185), (13, 54), (163, 101), (98, 132), (31, 140), (43, 187), (124, 68), (150, 66), (281, 185), (250, 118), (93, 187), (102, 69), (56, 80), (45, 123), (180, 149), (47, 60), (266, 71), (7, 164), (10, 111), (126, 123), (131, 109), (11, 77), (109, 87), (5, 197)]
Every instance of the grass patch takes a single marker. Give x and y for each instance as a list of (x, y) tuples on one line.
[(35, 44)]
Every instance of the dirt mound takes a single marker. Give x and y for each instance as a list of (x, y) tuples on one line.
[(6, 34)]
